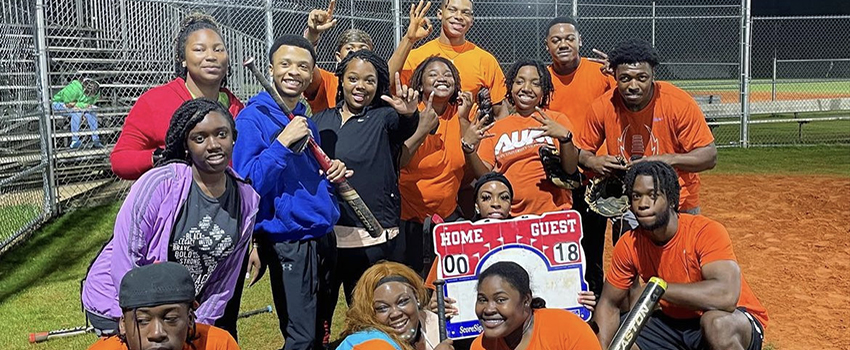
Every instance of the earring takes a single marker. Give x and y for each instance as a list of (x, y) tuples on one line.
[(184, 64)]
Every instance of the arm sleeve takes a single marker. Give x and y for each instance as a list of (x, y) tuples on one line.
[(692, 129), (66, 94), (254, 158), (136, 219), (133, 153), (713, 244), (496, 80), (591, 135), (487, 150), (374, 344), (401, 128), (622, 272)]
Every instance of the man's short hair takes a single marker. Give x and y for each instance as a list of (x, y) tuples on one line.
[(664, 178), (559, 20), (354, 35), (292, 40), (633, 51)]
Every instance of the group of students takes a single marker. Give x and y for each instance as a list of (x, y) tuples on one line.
[(412, 135)]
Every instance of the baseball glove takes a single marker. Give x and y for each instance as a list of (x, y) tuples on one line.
[(607, 196), (551, 159)]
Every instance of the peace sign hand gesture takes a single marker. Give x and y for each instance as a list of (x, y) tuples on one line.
[(319, 21), (550, 127), (406, 100), (606, 66), (420, 25)]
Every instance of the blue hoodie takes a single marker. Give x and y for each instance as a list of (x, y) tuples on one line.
[(296, 202)]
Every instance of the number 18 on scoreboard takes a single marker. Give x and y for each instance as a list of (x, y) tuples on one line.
[(548, 247)]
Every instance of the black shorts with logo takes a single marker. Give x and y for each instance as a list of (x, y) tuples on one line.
[(664, 332)]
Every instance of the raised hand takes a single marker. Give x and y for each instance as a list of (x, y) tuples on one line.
[(428, 118), (319, 21), (464, 104), (476, 132), (549, 126), (420, 25), (606, 66), (405, 101)]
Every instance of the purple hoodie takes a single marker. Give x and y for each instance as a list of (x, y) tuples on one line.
[(142, 235)]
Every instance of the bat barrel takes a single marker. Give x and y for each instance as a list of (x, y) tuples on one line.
[(441, 308), (245, 314), (639, 315)]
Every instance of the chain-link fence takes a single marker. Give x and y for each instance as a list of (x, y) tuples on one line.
[(55, 157)]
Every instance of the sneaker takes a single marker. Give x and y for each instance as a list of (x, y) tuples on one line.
[(97, 144), (76, 144)]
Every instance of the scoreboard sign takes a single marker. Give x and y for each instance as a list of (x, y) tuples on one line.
[(547, 246)]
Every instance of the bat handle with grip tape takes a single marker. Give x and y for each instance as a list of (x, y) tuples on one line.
[(639, 315), (441, 308), (370, 223), (246, 314)]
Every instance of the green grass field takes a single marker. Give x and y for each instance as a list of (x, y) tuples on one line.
[(40, 279), (13, 217), (762, 85)]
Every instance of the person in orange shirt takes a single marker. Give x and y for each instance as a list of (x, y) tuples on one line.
[(644, 119), (512, 145), (478, 68), (514, 320), (432, 160), (321, 94), (158, 302), (707, 301), (577, 82)]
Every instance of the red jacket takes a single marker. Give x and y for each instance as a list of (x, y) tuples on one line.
[(146, 125)]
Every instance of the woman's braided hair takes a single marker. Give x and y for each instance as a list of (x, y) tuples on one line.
[(184, 120), (381, 69), (195, 21)]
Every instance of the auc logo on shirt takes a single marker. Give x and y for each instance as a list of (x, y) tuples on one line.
[(518, 140)]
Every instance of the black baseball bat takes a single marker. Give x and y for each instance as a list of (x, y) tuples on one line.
[(441, 308), (628, 332), (370, 223)]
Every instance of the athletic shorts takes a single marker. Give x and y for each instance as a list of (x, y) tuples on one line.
[(664, 332)]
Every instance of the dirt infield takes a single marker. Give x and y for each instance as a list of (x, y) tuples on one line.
[(790, 234), (727, 96)]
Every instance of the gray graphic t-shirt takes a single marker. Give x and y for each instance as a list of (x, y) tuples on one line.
[(206, 232)]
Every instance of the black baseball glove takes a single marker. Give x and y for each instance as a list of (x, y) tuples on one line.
[(551, 159)]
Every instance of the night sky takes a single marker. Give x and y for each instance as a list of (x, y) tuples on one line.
[(800, 7)]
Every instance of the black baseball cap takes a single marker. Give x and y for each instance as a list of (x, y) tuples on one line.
[(156, 284)]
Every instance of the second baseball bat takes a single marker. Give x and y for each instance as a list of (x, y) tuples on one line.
[(628, 332), (370, 223), (441, 308)]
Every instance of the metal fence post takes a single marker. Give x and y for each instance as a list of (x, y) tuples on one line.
[(575, 9), (269, 25), (46, 139), (397, 21), (773, 79), (653, 24), (745, 72)]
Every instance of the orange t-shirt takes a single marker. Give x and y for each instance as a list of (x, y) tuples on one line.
[(430, 181), (698, 241), (671, 123), (476, 66), (209, 338), (554, 329), (326, 95), (513, 152), (575, 92)]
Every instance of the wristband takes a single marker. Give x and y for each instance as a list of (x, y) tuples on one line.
[(569, 138)]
